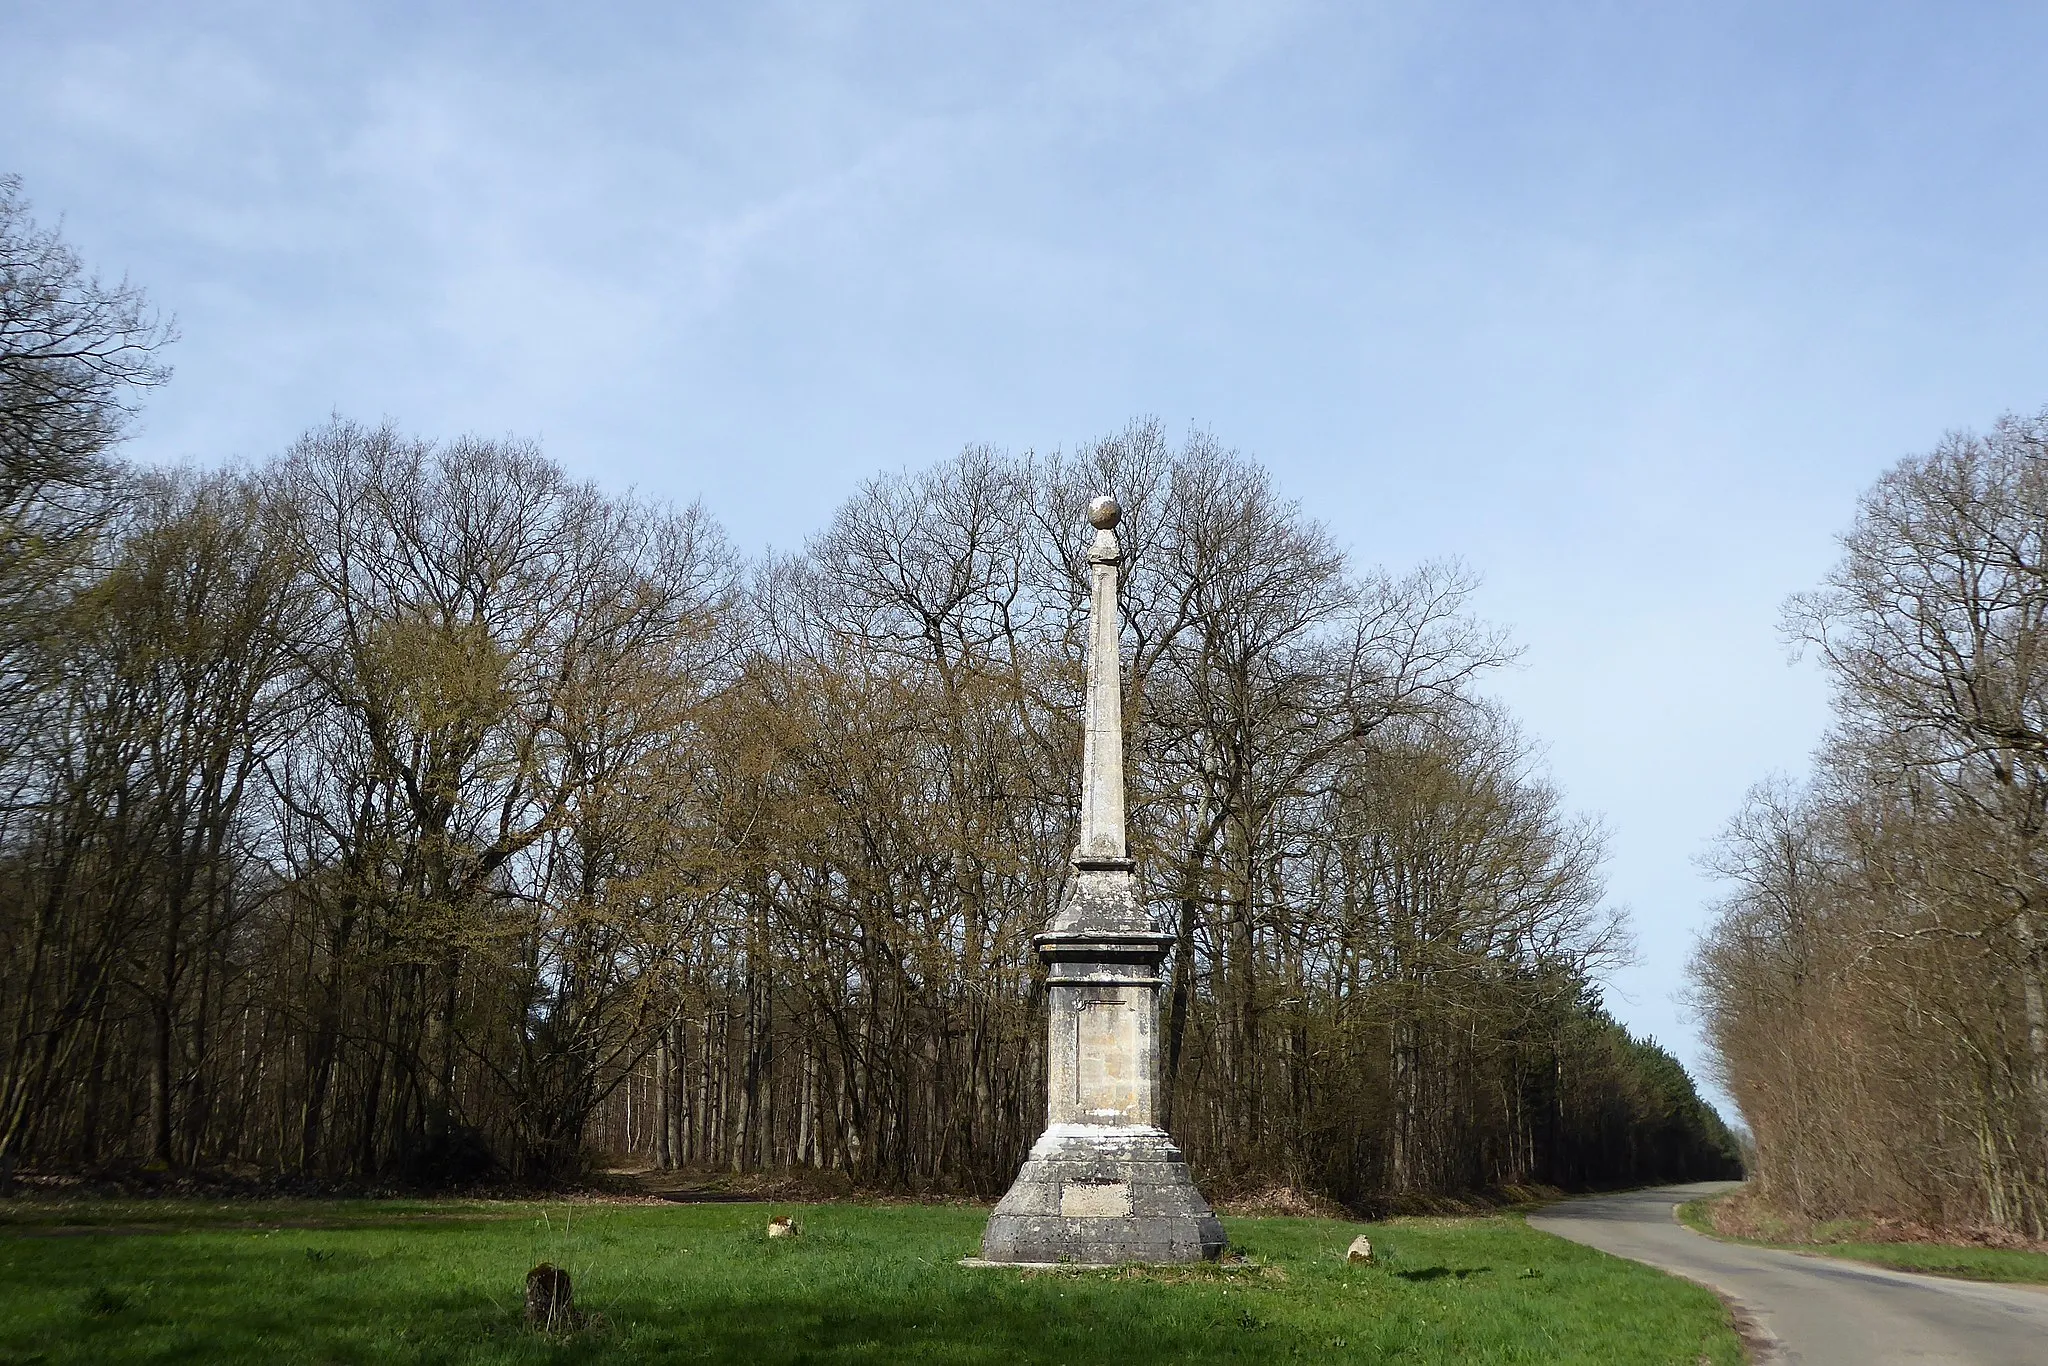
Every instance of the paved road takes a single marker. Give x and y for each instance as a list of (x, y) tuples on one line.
[(1817, 1311)]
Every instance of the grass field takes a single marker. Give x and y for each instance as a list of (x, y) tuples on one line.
[(1839, 1239), (418, 1282)]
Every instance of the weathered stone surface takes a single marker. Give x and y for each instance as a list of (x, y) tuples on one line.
[(1099, 1195), (1103, 1019), (1102, 727), (1095, 1200), (1101, 902)]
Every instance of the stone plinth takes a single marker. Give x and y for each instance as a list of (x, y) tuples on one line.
[(1097, 1195)]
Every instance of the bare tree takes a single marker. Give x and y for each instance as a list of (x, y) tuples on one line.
[(73, 351), (410, 810), (1879, 966)]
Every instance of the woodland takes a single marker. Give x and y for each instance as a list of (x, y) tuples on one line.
[(1873, 982), (407, 812)]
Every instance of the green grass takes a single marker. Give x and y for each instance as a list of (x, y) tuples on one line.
[(862, 1284), (1937, 1259), (186, 1212)]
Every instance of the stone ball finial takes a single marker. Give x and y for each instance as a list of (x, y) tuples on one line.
[(1104, 513)]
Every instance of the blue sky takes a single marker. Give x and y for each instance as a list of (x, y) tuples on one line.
[(1622, 305)]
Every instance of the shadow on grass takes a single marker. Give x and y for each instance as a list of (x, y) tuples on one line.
[(1437, 1273)]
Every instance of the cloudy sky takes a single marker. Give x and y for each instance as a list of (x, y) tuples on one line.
[(1621, 305)]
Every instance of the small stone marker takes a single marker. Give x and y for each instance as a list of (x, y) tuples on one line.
[(782, 1226), (1361, 1250), (550, 1300)]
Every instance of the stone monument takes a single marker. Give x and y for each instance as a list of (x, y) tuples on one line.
[(1104, 1184)]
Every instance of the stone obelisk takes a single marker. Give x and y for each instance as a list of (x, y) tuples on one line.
[(1104, 1184)]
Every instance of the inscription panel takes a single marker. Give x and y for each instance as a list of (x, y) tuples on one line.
[(1106, 1047), (1095, 1200)]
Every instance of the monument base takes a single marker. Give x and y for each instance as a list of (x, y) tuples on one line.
[(1100, 1195)]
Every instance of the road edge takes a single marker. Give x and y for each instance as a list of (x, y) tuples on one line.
[(1763, 1347), (1760, 1346), (1824, 1252)]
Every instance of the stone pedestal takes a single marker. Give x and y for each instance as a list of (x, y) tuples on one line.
[(1104, 1184), (1097, 1195)]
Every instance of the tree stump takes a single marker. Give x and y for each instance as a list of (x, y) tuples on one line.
[(550, 1300)]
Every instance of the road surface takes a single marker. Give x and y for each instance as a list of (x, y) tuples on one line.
[(1811, 1310)]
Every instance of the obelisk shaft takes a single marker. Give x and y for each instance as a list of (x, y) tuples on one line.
[(1102, 742)]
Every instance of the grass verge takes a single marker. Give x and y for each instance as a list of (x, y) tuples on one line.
[(1849, 1238), (45, 1216), (380, 1282)]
